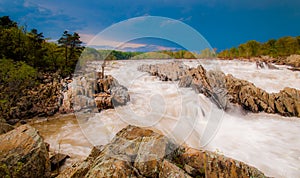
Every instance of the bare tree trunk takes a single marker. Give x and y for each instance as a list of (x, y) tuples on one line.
[(103, 66)]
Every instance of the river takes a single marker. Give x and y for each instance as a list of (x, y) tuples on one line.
[(268, 142)]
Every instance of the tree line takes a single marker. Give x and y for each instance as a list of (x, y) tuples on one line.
[(33, 48), (94, 54), (281, 47)]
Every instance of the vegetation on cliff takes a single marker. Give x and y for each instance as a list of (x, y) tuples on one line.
[(25, 58)]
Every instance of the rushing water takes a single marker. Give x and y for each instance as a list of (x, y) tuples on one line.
[(269, 142)]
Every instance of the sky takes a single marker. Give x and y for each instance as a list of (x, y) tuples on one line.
[(223, 23)]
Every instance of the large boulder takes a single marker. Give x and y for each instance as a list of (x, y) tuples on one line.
[(109, 93), (139, 152), (209, 164), (23, 153)]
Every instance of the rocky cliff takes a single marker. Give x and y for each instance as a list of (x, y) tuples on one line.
[(139, 152)]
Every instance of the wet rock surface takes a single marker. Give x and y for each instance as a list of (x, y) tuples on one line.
[(109, 93), (23, 153), (91, 91), (225, 89), (139, 152), (285, 103)]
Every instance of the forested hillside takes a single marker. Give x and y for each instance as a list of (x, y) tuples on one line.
[(281, 47), (28, 62)]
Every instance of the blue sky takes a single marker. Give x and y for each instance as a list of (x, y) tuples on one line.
[(224, 23)]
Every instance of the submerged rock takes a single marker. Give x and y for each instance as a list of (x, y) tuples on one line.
[(139, 152), (23, 153)]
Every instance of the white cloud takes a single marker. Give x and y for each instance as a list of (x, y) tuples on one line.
[(93, 40)]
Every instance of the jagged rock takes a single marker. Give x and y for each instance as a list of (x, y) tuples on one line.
[(169, 169), (138, 152), (150, 155), (87, 92), (255, 99), (185, 81), (103, 85), (23, 153), (117, 166), (211, 84), (222, 89), (110, 94), (80, 170), (103, 101), (166, 72)]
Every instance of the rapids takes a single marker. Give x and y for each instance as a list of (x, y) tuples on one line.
[(268, 142)]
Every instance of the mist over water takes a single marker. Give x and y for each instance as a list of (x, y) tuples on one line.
[(269, 142)]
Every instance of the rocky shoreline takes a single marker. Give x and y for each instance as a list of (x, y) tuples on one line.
[(133, 152), (225, 90), (55, 95)]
